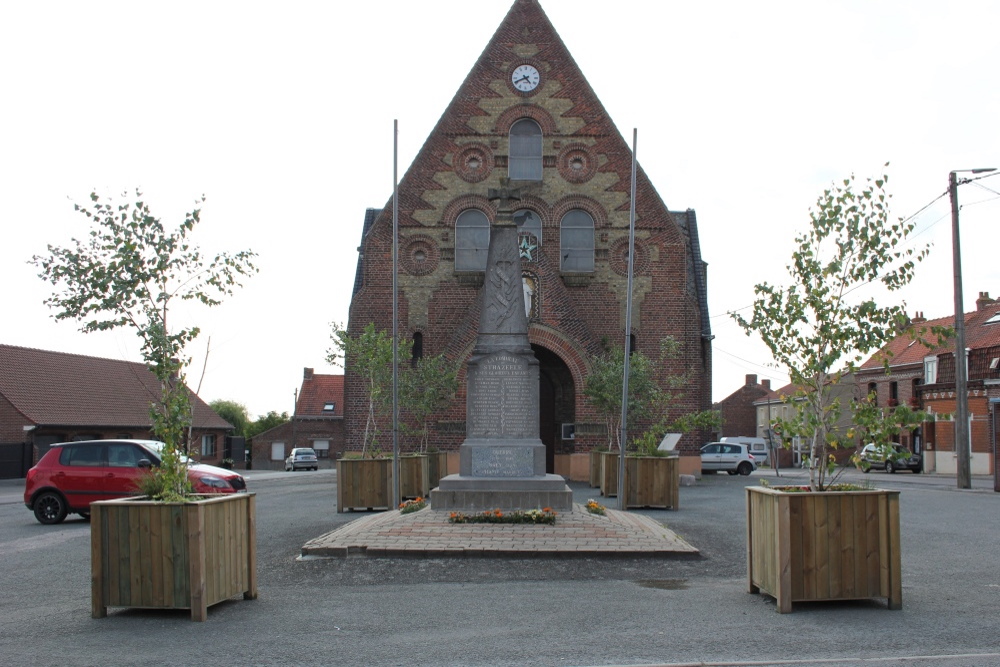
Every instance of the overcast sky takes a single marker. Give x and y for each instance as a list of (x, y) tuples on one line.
[(282, 113)]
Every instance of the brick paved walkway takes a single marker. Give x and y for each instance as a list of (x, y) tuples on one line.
[(428, 533)]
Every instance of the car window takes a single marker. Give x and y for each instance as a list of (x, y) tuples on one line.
[(710, 449), (83, 455), (124, 455)]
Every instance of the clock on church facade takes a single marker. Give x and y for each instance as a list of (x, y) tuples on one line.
[(526, 113)]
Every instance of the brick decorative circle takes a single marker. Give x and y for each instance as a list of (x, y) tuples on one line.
[(474, 162), (618, 255), (419, 255), (576, 163)]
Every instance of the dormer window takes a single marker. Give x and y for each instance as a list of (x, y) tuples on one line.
[(329, 406), (930, 370)]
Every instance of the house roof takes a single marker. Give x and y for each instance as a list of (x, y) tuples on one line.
[(62, 389), (982, 330), (317, 392)]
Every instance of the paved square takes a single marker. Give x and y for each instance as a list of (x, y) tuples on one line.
[(428, 533)]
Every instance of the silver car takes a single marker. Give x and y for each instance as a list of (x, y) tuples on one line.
[(733, 457), (302, 458)]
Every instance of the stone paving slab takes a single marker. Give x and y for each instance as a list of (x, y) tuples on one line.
[(428, 533)]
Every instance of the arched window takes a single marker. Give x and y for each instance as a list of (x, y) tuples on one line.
[(525, 151), (576, 242), (472, 240), (528, 221)]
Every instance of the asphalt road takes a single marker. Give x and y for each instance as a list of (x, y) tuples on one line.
[(482, 611)]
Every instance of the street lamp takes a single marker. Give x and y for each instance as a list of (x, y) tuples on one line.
[(962, 445)]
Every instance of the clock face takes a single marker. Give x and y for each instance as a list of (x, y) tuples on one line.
[(525, 78)]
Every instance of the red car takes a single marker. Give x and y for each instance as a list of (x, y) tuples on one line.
[(71, 475)]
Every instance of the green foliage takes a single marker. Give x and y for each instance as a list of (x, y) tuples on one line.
[(369, 355), (818, 327), (649, 397), (234, 413), (266, 423), (127, 273), (604, 390), (426, 388)]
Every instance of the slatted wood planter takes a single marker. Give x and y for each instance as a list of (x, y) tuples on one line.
[(364, 484), (437, 467), (595, 468), (832, 545), (609, 474), (188, 555), (414, 476), (652, 481)]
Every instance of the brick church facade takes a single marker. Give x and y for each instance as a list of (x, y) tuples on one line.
[(526, 112)]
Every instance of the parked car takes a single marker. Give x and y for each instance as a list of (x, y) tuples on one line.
[(758, 447), (733, 457), (890, 458), (71, 475), (302, 458)]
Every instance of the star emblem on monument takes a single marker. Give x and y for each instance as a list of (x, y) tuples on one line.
[(527, 247)]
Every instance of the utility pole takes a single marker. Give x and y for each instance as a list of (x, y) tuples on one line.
[(963, 445)]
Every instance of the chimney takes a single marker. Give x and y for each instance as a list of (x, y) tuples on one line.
[(751, 379), (766, 384), (918, 318), (307, 373), (984, 301)]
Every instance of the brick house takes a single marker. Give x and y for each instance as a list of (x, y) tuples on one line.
[(925, 378), (48, 397), (739, 416), (526, 112), (318, 423)]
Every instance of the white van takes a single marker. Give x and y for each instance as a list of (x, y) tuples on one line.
[(758, 447)]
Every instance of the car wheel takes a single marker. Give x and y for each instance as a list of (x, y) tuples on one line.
[(889, 467), (50, 508), (866, 469), (916, 471), (745, 469), (730, 472)]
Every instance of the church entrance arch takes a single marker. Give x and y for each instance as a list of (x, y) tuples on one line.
[(556, 401)]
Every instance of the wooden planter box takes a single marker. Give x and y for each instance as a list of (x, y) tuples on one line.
[(833, 545), (157, 555), (364, 484), (652, 481), (414, 477), (437, 467), (595, 468), (609, 474)]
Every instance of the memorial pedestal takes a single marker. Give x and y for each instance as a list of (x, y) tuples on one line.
[(502, 461)]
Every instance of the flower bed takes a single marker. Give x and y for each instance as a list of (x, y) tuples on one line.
[(412, 505), (543, 516)]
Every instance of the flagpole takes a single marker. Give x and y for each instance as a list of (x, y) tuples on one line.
[(622, 502), (395, 315)]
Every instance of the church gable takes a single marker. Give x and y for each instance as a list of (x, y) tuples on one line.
[(526, 112)]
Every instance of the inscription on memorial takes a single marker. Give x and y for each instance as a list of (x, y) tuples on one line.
[(503, 462), (503, 397)]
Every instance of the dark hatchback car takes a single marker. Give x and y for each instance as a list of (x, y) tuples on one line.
[(890, 459), (71, 475)]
